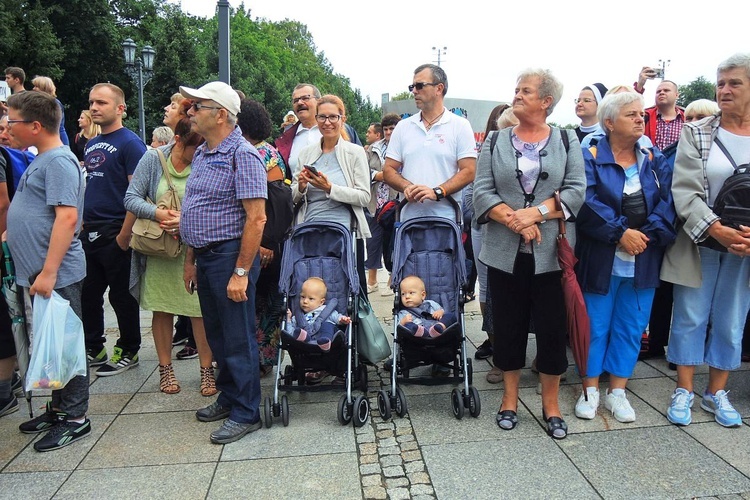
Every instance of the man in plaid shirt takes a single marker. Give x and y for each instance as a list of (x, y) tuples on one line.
[(222, 220)]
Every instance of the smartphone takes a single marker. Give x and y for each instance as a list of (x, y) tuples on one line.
[(658, 73), (312, 169)]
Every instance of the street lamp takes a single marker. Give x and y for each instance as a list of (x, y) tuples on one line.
[(439, 52), (140, 70)]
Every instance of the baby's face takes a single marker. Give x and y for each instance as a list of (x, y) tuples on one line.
[(412, 294), (311, 297)]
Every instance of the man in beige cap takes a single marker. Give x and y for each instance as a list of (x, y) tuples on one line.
[(221, 222)]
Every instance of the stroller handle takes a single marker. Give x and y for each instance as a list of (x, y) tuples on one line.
[(448, 198)]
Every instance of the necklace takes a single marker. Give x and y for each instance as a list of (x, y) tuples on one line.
[(429, 123)]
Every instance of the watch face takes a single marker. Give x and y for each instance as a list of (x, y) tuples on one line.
[(240, 272)]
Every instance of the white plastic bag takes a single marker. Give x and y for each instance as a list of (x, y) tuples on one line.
[(58, 351)]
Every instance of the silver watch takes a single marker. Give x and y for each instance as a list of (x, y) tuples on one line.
[(544, 211), (240, 271)]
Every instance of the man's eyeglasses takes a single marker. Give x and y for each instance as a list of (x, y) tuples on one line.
[(303, 98), (11, 122), (196, 106), (421, 85), (585, 99), (330, 118)]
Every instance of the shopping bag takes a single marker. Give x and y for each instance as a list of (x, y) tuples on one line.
[(372, 343), (58, 351)]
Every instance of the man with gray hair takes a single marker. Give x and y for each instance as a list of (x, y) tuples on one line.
[(222, 220)]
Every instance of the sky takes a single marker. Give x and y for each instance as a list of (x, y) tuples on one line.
[(489, 43)]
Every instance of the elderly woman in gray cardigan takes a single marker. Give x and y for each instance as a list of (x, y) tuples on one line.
[(514, 196), (157, 281)]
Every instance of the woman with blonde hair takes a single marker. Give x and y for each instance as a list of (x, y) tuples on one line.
[(89, 130), (46, 85)]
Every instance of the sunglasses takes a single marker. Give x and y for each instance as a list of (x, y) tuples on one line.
[(421, 85)]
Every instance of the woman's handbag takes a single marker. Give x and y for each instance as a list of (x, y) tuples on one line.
[(372, 343), (148, 236)]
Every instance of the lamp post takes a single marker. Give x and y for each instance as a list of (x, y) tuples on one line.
[(439, 52), (140, 70)]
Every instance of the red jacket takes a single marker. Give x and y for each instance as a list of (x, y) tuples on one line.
[(650, 121)]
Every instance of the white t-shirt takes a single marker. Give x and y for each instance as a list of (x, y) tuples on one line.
[(303, 138), (430, 157), (718, 166)]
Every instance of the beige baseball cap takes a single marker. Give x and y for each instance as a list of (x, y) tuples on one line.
[(219, 92)]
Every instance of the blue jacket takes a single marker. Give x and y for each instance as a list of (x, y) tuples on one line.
[(600, 223)]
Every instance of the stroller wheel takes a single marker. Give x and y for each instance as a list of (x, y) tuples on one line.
[(474, 403), (361, 411), (458, 404), (401, 407), (268, 417), (344, 412), (384, 405), (363, 377), (284, 410), (469, 371)]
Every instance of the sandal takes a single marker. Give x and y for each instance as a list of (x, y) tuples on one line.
[(167, 381), (208, 382), (556, 427), (506, 419)]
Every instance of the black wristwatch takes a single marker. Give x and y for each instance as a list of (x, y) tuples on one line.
[(439, 193)]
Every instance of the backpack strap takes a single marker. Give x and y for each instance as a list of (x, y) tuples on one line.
[(565, 139), (165, 169), (314, 327), (493, 141), (726, 153)]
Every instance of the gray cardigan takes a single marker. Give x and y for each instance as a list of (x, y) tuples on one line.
[(144, 184), (496, 183)]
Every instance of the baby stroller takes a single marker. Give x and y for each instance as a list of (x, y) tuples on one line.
[(431, 248), (325, 250)]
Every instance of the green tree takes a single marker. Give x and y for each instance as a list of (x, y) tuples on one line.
[(403, 96), (700, 88)]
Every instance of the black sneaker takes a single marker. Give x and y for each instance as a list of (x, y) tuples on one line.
[(63, 433), (212, 412), (8, 406), (118, 363), (97, 358), (180, 336), (16, 384), (42, 423), (187, 352), (484, 351)]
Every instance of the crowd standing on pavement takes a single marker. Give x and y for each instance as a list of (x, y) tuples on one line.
[(662, 273)]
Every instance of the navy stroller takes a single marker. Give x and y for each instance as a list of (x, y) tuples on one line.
[(325, 250), (431, 248)]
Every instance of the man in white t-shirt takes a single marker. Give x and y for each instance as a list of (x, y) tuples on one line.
[(432, 154)]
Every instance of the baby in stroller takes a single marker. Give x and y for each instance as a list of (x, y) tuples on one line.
[(318, 322), (419, 316)]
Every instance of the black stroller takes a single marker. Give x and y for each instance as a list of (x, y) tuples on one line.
[(431, 248), (325, 250)]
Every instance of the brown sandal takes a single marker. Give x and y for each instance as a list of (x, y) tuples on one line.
[(208, 382), (167, 381)]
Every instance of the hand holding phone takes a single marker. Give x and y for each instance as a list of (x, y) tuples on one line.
[(312, 170)]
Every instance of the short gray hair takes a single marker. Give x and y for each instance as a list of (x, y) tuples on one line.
[(739, 60), (612, 104), (163, 134), (549, 85), (316, 92), (438, 75)]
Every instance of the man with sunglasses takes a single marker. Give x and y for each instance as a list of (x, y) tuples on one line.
[(305, 132), (222, 220), (432, 154)]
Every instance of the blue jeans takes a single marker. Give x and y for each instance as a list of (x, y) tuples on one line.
[(230, 331), (617, 320), (374, 243), (722, 301)]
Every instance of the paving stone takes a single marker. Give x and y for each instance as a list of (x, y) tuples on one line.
[(368, 448), (388, 433), (421, 489), (373, 468), (410, 456), (396, 482), (396, 471), (372, 480), (723, 442), (398, 494), (412, 445), (405, 431), (405, 438), (366, 438), (416, 466), (31, 485), (375, 493), (391, 441), (419, 478), (368, 459), (388, 450), (391, 460), (385, 426), (422, 497)]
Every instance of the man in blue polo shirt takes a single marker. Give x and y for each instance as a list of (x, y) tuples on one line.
[(222, 220)]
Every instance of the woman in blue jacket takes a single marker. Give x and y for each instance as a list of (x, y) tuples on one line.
[(623, 229)]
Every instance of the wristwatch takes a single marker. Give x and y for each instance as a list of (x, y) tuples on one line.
[(544, 211), (439, 193), (240, 271)]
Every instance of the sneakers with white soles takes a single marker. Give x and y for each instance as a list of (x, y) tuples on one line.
[(586, 409), (679, 412), (617, 402), (719, 405)]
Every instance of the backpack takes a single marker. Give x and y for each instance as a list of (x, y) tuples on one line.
[(16, 163), (732, 203)]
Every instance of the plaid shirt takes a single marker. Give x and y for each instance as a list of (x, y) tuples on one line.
[(220, 179), (667, 132)]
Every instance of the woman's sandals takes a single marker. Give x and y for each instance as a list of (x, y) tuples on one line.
[(167, 381)]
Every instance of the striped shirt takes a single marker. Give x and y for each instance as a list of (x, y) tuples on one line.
[(220, 179)]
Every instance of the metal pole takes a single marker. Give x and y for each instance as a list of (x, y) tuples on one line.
[(223, 14), (141, 111)]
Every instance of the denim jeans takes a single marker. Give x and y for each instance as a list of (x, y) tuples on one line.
[(722, 301), (230, 331), (374, 243), (617, 323)]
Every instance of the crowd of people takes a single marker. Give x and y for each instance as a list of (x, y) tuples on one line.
[(660, 270)]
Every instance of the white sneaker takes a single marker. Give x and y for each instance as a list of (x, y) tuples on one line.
[(587, 409), (372, 288), (620, 407)]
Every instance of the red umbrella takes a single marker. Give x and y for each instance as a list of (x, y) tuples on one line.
[(579, 328)]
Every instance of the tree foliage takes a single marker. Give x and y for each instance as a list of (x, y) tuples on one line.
[(78, 43), (403, 96), (700, 88)]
